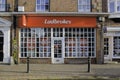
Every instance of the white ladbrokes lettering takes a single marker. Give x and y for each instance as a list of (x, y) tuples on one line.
[(55, 21)]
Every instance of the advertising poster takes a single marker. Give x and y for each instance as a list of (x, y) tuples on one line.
[(31, 46), (84, 47)]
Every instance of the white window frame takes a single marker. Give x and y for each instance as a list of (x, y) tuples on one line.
[(42, 5), (35, 38), (2, 5), (106, 46), (118, 6), (78, 47), (116, 46), (115, 6), (78, 42), (85, 6)]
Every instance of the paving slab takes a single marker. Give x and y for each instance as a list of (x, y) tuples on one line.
[(59, 71)]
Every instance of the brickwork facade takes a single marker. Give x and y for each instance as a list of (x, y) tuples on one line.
[(63, 6), (96, 5), (57, 6), (30, 6)]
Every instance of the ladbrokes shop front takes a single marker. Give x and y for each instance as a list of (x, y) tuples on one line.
[(57, 39)]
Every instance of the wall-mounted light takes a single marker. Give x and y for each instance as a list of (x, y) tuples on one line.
[(101, 19)]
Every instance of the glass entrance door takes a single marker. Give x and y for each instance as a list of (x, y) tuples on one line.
[(57, 55)]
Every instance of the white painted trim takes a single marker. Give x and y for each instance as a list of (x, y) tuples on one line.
[(111, 35), (114, 15), (111, 48), (61, 60), (5, 28), (113, 28), (4, 22)]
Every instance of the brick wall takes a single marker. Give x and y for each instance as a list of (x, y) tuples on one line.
[(60, 5), (37, 61), (98, 47), (66, 60), (78, 60), (63, 5), (104, 6), (29, 5), (11, 2), (96, 5)]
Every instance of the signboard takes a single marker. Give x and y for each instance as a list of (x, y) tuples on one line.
[(56, 21)]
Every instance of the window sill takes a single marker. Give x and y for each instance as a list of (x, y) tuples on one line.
[(114, 15)]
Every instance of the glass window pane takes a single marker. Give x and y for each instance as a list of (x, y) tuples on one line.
[(112, 7), (42, 2), (118, 6), (43, 5), (2, 5), (116, 51), (79, 46), (35, 45), (84, 5), (38, 1), (47, 2)]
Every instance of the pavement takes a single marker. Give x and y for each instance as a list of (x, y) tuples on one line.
[(60, 71)]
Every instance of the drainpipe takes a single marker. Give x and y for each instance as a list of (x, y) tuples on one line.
[(14, 16), (13, 28), (16, 6)]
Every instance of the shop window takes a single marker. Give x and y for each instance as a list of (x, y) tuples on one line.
[(116, 45), (42, 5), (84, 5), (2, 5), (35, 42), (79, 43)]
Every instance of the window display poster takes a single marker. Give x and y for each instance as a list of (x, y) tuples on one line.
[(84, 47), (31, 44), (116, 47)]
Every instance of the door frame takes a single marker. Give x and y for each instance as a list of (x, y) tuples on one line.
[(5, 28), (110, 50), (2, 42), (57, 60)]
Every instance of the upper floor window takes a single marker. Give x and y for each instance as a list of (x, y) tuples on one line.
[(84, 5), (2, 5), (113, 6), (42, 5)]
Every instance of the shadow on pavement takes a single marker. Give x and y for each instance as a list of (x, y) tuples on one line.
[(10, 71)]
